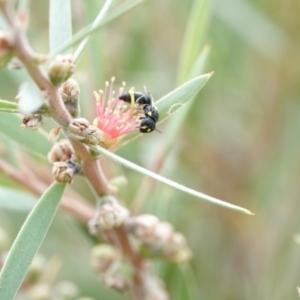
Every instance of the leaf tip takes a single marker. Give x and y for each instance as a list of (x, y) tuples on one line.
[(250, 213)]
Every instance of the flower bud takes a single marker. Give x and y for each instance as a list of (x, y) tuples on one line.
[(155, 289), (80, 130), (78, 126), (70, 93), (6, 48), (164, 232), (116, 282), (32, 121), (158, 239), (177, 250), (110, 214), (103, 256), (143, 227), (61, 151), (64, 171), (61, 69), (152, 244)]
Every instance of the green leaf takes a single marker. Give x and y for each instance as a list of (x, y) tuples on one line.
[(35, 141), (175, 124), (28, 241), (168, 104), (194, 37), (12, 199), (60, 24), (86, 31), (173, 127), (173, 101), (8, 106), (97, 21), (99, 150)]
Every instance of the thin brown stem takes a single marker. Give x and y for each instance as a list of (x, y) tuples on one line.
[(119, 238), (70, 202)]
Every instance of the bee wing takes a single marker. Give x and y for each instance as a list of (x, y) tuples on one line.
[(149, 94)]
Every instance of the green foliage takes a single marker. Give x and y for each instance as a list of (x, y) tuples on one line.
[(237, 139), (29, 241)]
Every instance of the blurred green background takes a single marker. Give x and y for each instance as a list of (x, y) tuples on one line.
[(238, 142)]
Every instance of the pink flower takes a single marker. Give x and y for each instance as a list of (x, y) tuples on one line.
[(114, 117)]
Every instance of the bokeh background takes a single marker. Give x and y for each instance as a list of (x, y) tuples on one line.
[(239, 141)]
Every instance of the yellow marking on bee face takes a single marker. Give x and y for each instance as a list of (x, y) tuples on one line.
[(150, 113), (148, 130)]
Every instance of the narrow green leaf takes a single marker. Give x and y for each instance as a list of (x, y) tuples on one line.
[(97, 21), (28, 241), (173, 101), (99, 150), (60, 24), (12, 199), (35, 141), (175, 124), (200, 62), (89, 29), (8, 106), (194, 37), (168, 104)]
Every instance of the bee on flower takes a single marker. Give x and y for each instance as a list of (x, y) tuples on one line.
[(115, 117)]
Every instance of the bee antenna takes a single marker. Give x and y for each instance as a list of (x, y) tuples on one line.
[(157, 130)]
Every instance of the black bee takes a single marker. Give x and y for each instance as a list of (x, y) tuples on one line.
[(137, 97), (148, 123)]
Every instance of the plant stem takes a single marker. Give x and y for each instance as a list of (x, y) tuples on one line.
[(70, 203)]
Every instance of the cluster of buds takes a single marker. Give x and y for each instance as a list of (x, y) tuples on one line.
[(110, 214), (61, 151), (81, 130), (158, 239), (61, 69), (107, 261), (64, 171), (116, 273), (70, 94), (64, 166)]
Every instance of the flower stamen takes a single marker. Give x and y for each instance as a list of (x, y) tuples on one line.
[(114, 118)]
